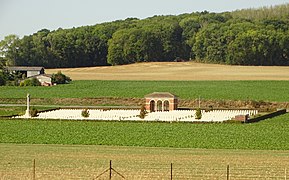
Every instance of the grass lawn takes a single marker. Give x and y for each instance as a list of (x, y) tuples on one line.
[(18, 110), (233, 90)]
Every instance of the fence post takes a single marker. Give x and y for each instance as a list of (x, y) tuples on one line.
[(228, 172), (285, 174), (33, 169), (171, 171), (110, 169)]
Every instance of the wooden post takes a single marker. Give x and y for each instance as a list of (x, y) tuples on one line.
[(171, 171), (34, 169), (285, 174), (110, 169), (228, 172)]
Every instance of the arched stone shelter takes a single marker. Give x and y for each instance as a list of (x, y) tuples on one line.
[(161, 101)]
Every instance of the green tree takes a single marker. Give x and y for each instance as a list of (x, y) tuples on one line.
[(8, 49), (2, 79), (30, 82), (60, 78)]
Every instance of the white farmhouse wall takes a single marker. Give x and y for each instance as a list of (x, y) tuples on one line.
[(32, 73)]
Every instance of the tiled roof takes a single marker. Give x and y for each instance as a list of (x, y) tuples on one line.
[(24, 68), (161, 95)]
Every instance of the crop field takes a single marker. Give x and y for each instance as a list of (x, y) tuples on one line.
[(176, 71), (233, 90), (87, 162), (144, 150), (271, 134)]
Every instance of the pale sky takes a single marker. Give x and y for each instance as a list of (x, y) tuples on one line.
[(24, 17)]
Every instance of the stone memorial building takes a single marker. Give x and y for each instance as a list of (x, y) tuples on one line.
[(161, 101)]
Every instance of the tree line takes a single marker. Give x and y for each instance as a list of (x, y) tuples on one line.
[(243, 37)]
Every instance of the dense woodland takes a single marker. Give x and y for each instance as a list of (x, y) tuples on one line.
[(243, 37)]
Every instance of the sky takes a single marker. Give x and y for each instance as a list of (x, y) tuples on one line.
[(25, 17)]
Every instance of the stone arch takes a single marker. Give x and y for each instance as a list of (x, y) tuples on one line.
[(152, 106), (159, 99), (159, 105), (166, 105)]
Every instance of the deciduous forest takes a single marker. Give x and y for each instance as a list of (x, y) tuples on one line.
[(242, 37)]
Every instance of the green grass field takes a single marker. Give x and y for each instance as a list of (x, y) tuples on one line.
[(271, 134), (233, 90), (9, 110)]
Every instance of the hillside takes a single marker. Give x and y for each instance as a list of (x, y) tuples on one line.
[(245, 37), (176, 71)]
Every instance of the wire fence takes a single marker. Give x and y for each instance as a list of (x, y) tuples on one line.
[(139, 170)]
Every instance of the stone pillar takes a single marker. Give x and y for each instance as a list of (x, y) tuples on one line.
[(27, 114)]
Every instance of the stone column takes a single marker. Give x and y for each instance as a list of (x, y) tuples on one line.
[(27, 114)]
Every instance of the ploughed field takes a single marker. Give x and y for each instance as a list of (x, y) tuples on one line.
[(176, 71)]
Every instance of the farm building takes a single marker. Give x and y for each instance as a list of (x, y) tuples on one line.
[(161, 101), (29, 71)]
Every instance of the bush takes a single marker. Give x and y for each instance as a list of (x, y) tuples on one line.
[(143, 112), (35, 82), (2, 80), (33, 112), (85, 113), (30, 82), (198, 114), (60, 78)]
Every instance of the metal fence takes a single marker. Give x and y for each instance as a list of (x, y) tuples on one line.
[(139, 170)]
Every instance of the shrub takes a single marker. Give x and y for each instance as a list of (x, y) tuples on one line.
[(85, 113), (60, 78), (30, 82), (33, 112), (198, 114), (2, 80), (143, 112), (35, 82)]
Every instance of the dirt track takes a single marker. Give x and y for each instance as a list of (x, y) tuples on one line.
[(176, 71)]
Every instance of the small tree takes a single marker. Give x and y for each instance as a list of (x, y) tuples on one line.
[(30, 82), (143, 112), (198, 114), (85, 113), (33, 112), (35, 82), (60, 78), (2, 79)]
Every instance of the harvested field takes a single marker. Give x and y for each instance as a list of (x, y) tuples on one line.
[(86, 162), (176, 71)]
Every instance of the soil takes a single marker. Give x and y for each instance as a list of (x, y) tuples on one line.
[(137, 102), (176, 71)]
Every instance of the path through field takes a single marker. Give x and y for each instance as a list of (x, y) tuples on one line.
[(86, 162), (176, 71)]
